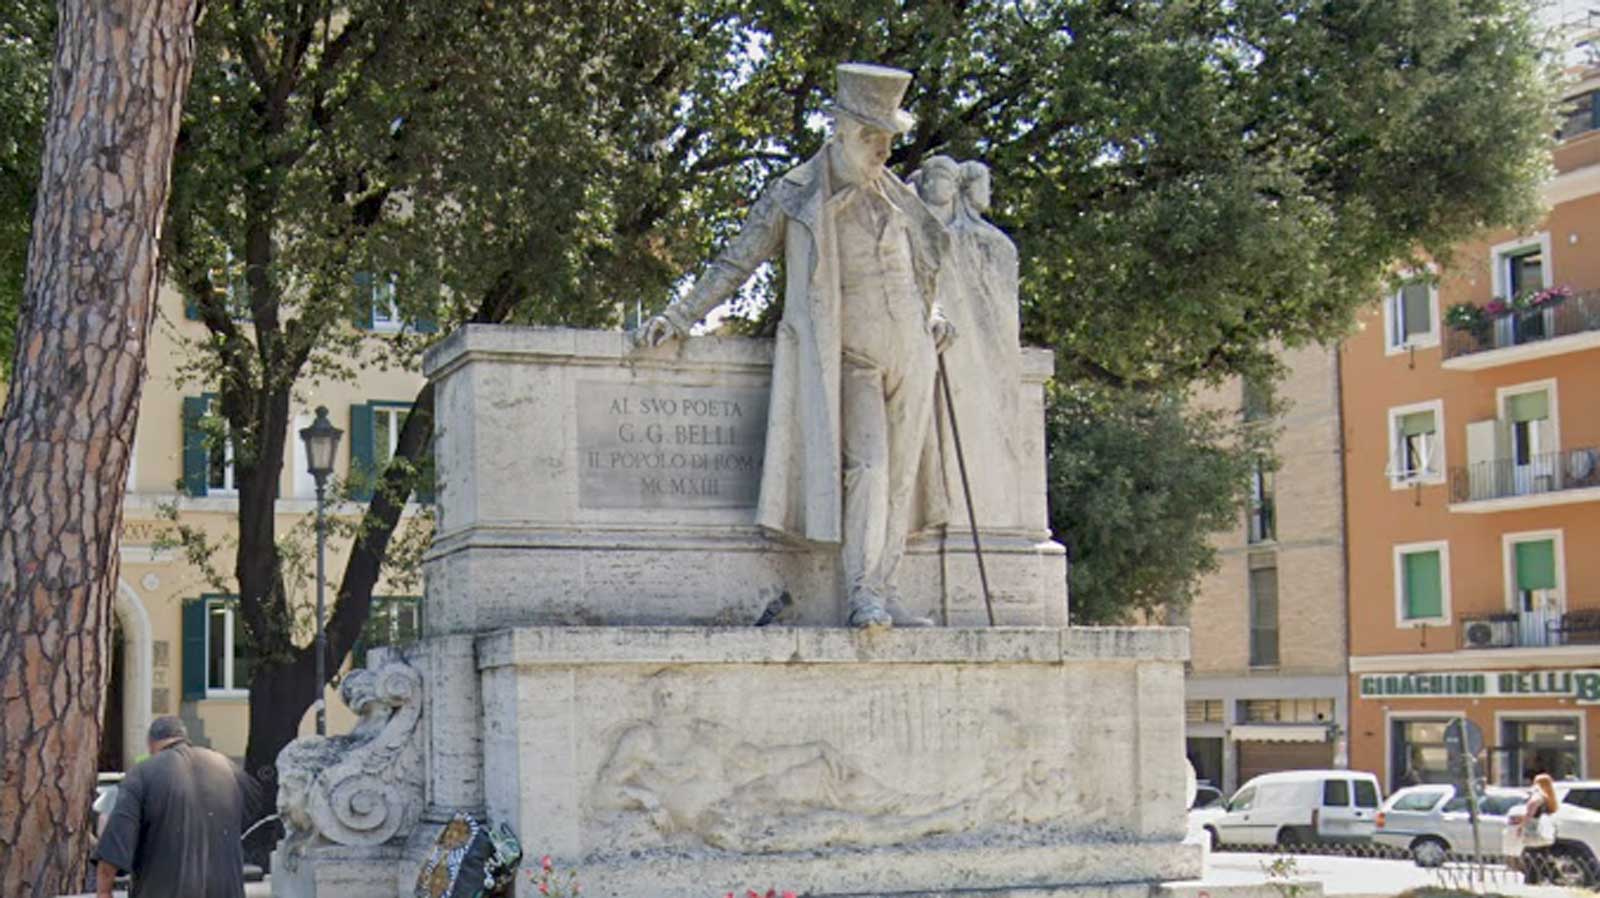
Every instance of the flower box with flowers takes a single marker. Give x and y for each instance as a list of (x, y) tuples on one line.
[(1478, 320)]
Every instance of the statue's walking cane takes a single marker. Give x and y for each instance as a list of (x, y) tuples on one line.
[(966, 488)]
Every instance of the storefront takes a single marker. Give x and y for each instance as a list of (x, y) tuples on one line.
[(1533, 721)]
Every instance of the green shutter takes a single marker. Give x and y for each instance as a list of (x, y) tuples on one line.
[(1533, 406), (1416, 423), (196, 456), (363, 301), (362, 476), (1536, 565), (194, 649), (1424, 588)]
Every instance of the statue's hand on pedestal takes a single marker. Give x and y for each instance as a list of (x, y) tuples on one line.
[(656, 331), (944, 333)]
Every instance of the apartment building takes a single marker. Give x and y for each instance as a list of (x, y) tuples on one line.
[(1471, 406), (178, 644), (1267, 683)]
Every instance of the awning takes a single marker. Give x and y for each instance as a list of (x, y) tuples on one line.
[(1279, 732)]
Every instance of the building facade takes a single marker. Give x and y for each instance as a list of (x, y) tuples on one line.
[(1472, 421), (178, 646), (1267, 683)]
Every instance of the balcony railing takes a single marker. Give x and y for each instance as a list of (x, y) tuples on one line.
[(1548, 472), (1508, 630), (1578, 314)]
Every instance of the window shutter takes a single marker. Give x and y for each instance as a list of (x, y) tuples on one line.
[(1424, 589), (1533, 406), (362, 312), (194, 649), (362, 476), (196, 457), (1417, 310), (1536, 565)]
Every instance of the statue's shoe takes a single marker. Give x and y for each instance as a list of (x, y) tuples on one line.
[(869, 615), (902, 617)]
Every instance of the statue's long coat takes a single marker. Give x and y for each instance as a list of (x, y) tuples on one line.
[(801, 483)]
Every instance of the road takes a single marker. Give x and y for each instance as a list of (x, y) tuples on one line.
[(1365, 876)]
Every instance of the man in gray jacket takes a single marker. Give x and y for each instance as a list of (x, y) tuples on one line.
[(177, 822)]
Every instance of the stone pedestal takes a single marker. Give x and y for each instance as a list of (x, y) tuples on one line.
[(692, 761), (591, 676), (583, 481)]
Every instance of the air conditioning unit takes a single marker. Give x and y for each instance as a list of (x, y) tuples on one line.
[(1491, 634)]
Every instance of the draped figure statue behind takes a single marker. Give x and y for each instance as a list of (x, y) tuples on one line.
[(980, 298)]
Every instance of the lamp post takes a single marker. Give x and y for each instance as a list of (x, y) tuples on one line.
[(322, 443)]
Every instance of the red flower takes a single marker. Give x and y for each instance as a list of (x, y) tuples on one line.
[(788, 895), (544, 888), (545, 862), (772, 893)]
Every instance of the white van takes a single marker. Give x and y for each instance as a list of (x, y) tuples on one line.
[(1300, 807)]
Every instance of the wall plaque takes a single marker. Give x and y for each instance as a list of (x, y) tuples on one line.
[(665, 446)]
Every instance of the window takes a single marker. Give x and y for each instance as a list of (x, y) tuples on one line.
[(1421, 800), (1366, 794), (1410, 316), (228, 658), (1241, 802), (1529, 413), (374, 439), (1203, 710), (1584, 798), (1262, 525), (1288, 710), (1524, 271), (379, 295), (1336, 793), (1417, 753), (393, 620), (1256, 403), (1580, 115), (1422, 584), (1263, 615), (1540, 745), (208, 466), (1416, 449)]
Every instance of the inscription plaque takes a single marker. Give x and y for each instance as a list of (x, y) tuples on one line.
[(665, 446)]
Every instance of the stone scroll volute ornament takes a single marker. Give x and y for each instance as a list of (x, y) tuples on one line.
[(363, 788)]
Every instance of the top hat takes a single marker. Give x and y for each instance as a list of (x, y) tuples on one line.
[(871, 94)]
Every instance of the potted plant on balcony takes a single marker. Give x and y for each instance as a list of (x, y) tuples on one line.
[(1473, 320)]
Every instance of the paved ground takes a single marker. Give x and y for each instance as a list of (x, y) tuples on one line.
[(1364, 876)]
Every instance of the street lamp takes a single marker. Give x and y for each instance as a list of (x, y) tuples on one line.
[(322, 444)]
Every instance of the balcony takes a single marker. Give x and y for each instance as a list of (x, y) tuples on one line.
[(1572, 326), (1510, 630), (1551, 478)]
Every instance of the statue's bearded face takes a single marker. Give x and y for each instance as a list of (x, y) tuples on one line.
[(864, 149)]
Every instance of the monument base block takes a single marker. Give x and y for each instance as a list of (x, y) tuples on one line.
[(673, 762)]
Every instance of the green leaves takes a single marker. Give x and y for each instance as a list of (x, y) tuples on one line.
[(1138, 482)]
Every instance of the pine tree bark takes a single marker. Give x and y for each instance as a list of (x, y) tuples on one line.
[(121, 72)]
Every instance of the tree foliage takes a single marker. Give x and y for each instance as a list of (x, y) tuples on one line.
[(1138, 483), (27, 28), (1189, 184)]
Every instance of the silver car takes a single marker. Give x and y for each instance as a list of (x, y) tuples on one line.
[(1434, 822)]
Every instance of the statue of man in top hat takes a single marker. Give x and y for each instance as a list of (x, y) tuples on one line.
[(850, 452)]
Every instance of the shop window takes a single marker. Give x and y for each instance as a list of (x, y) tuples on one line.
[(1533, 746), (1417, 753)]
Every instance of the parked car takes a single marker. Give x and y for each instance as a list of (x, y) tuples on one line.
[(1299, 807), (1205, 796), (1432, 822), (1574, 858), (1207, 808)]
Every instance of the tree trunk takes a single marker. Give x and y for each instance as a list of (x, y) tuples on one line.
[(121, 72)]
